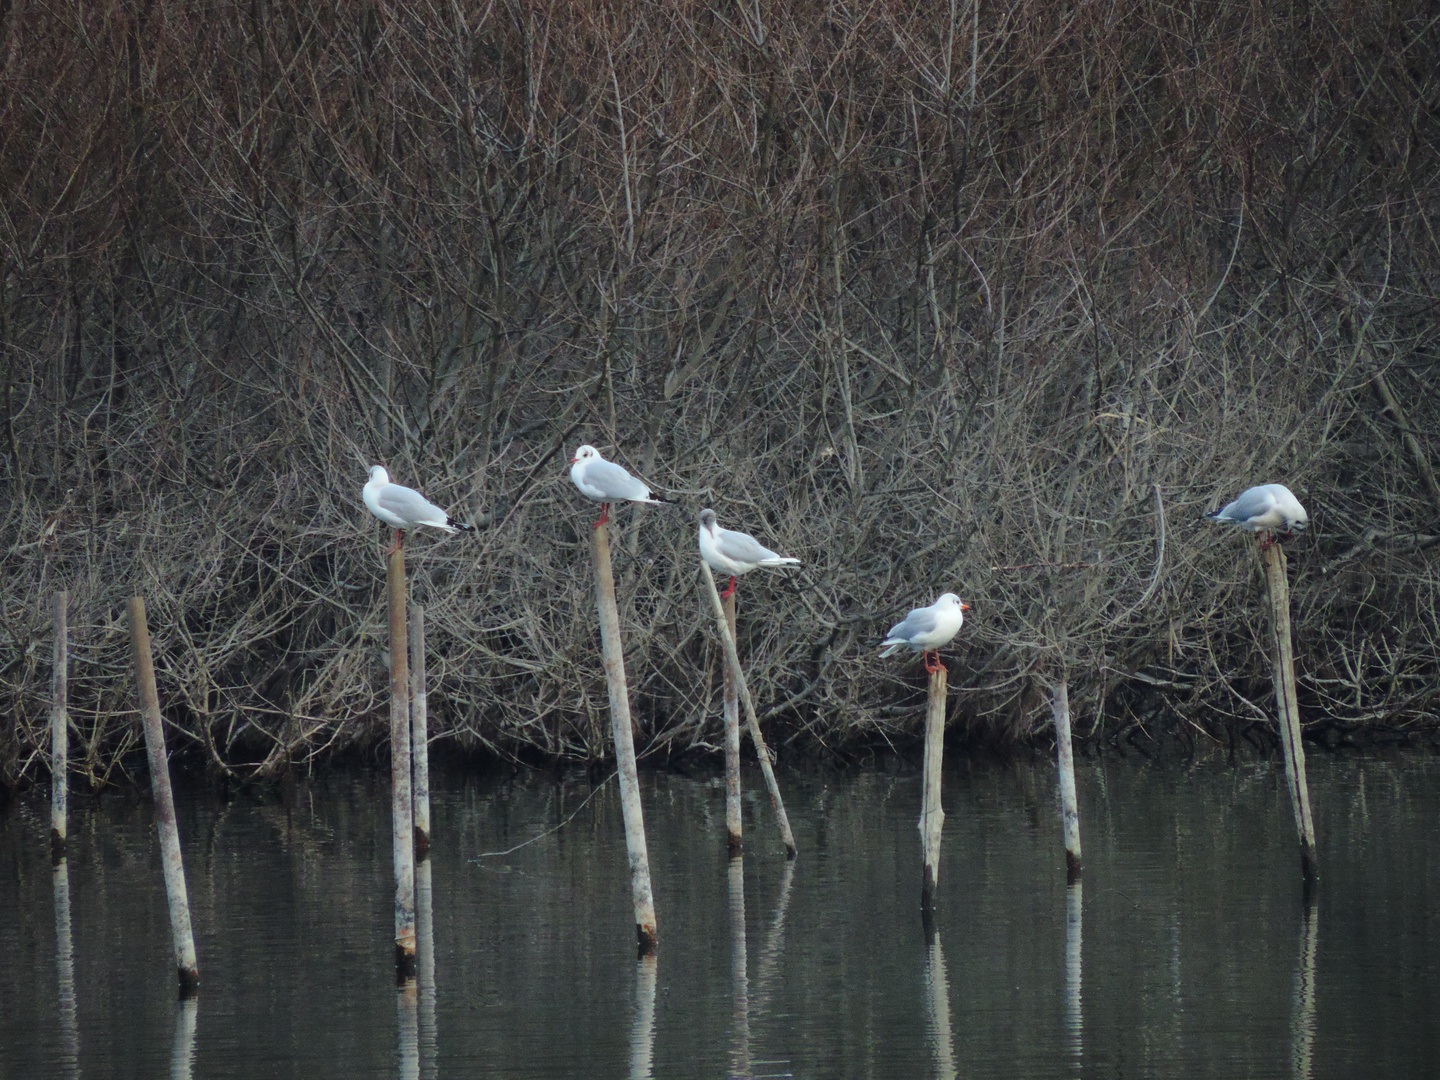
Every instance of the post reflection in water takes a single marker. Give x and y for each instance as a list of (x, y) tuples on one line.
[(642, 1035), (182, 1057), (407, 1012), (773, 947), (739, 970), (937, 1007), (1074, 1015), (65, 970), (1302, 1016), (429, 1041)]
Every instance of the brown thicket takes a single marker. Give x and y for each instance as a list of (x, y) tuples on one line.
[(993, 298)]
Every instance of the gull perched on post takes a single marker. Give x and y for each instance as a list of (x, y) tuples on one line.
[(734, 553), (403, 508), (1268, 508), (605, 482), (927, 628)]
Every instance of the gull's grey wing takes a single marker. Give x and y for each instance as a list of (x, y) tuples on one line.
[(742, 547), (919, 621), (1251, 503), (614, 482), (409, 504)]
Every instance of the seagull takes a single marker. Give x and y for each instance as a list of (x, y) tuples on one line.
[(1264, 509), (404, 508), (927, 628), (606, 482), (734, 553)]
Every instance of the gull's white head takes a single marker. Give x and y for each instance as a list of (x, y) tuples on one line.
[(378, 475), (952, 600), (584, 454)]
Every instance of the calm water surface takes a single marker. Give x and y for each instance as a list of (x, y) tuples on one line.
[(1190, 952)]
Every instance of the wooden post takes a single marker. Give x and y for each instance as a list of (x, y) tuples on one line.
[(1273, 558), (731, 710), (613, 657), (1065, 758), (932, 815), (402, 816), (761, 750), (419, 733), (59, 728), (185, 964)]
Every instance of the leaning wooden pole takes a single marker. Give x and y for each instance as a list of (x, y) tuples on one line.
[(419, 733), (184, 940), (613, 657), (1065, 762), (932, 815), (402, 815), (730, 707), (59, 728), (762, 752), (1273, 557)]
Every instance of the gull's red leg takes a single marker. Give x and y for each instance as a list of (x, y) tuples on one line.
[(604, 515), (729, 589), (399, 536)]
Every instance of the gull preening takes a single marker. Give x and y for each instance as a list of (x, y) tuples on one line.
[(734, 553), (1267, 508), (605, 482), (403, 508), (927, 628)]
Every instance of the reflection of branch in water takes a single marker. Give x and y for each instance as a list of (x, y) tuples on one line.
[(937, 1009), (1074, 1016), (739, 971), (182, 1057), (428, 1039), (774, 940), (65, 969), (642, 1035), (1302, 1017)]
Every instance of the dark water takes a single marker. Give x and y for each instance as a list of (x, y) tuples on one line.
[(1189, 954)]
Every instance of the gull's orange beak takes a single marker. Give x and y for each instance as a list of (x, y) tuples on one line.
[(964, 607)]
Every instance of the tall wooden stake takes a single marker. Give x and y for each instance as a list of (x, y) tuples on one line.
[(184, 940), (762, 752), (932, 816), (1273, 558), (613, 657), (59, 728), (1065, 760), (731, 710), (419, 733), (402, 816)]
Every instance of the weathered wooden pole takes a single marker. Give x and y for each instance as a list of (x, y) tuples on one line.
[(402, 815), (762, 752), (932, 815), (1272, 555), (186, 966), (1065, 760), (612, 654), (59, 727), (419, 733), (731, 710)]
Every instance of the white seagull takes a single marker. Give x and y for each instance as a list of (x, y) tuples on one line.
[(606, 482), (734, 553), (403, 508), (1267, 508), (927, 628)]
